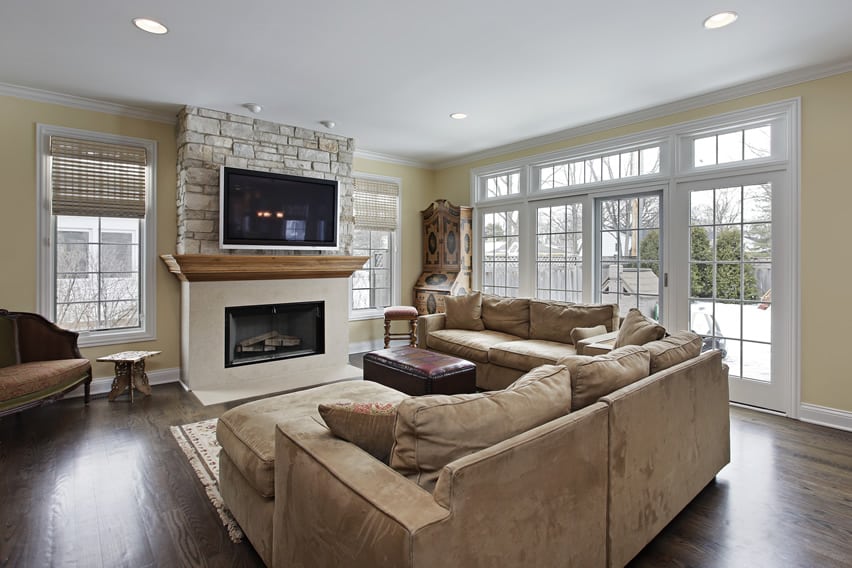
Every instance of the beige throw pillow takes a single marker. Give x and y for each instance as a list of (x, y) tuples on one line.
[(594, 377), (368, 425), (432, 431), (636, 329), (464, 312), (676, 348), (580, 333)]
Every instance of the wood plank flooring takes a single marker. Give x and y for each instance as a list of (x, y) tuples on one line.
[(108, 486)]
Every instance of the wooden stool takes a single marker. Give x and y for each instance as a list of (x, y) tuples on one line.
[(401, 313)]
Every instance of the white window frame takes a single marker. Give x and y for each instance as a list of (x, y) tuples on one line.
[(396, 255), (45, 223)]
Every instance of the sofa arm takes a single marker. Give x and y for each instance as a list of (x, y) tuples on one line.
[(336, 505), (669, 435), (427, 324)]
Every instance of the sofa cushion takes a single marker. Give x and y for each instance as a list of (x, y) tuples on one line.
[(42, 377), (555, 320), (527, 354), (676, 348), (470, 345), (507, 315), (464, 312), (247, 432), (432, 431), (578, 334), (594, 377), (636, 329), (368, 425)]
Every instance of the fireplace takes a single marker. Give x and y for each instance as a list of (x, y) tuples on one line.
[(270, 332)]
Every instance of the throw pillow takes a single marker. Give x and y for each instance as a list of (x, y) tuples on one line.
[(464, 312), (368, 425), (432, 431), (676, 348), (638, 330), (594, 377), (580, 333)]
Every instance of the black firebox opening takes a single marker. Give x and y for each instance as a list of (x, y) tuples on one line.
[(270, 332)]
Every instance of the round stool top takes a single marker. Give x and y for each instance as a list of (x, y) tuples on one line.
[(400, 312)]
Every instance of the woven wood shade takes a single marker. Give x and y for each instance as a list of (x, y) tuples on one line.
[(375, 204), (97, 179)]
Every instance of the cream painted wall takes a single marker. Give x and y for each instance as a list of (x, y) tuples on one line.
[(826, 206), (18, 240), (417, 194)]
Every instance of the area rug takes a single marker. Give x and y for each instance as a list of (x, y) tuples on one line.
[(198, 442)]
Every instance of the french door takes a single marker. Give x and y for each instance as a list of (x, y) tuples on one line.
[(736, 250)]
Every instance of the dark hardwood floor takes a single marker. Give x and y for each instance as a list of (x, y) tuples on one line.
[(106, 485)]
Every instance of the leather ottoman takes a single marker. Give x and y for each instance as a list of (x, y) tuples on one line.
[(417, 371)]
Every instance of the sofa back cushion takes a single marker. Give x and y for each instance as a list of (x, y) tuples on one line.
[(554, 321), (636, 329), (594, 377), (507, 315), (432, 431), (464, 312), (676, 348)]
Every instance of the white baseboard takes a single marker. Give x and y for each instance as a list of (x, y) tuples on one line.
[(102, 385), (372, 345), (824, 416)]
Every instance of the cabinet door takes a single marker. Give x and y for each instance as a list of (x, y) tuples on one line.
[(432, 243), (452, 242)]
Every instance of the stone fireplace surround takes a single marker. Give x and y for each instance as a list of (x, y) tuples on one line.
[(212, 279)]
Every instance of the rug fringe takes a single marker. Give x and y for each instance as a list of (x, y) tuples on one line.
[(211, 485)]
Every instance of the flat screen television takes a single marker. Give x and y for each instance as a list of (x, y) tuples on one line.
[(264, 210)]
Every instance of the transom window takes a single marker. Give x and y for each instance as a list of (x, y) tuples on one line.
[(501, 185), (736, 146), (603, 168)]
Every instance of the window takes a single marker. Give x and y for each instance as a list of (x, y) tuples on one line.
[(376, 207), (607, 167), (97, 219), (500, 246), (559, 261), (628, 262)]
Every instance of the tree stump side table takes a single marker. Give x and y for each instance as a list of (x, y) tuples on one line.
[(129, 372)]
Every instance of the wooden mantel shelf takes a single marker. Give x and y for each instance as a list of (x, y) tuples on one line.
[(229, 267)]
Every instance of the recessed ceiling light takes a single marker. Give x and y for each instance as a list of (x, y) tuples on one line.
[(458, 115), (720, 20), (150, 26), (253, 107)]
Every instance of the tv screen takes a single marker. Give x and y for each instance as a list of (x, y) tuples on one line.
[(264, 210)]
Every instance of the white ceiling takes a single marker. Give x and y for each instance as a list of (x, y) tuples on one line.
[(389, 72)]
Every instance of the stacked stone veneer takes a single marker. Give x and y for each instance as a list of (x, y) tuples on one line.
[(208, 139)]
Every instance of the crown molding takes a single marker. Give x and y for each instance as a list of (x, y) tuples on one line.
[(390, 159), (84, 103), (674, 107)]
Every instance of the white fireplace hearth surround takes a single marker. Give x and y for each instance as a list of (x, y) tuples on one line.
[(210, 283)]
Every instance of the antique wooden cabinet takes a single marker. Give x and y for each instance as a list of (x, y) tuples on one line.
[(447, 255)]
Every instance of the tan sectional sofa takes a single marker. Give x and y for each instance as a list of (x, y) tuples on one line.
[(514, 477), (506, 337)]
